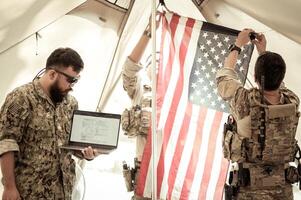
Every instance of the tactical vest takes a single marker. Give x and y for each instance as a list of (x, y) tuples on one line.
[(137, 119), (264, 166), (280, 130)]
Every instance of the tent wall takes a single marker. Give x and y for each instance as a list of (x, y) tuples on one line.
[(20, 19), (82, 30)]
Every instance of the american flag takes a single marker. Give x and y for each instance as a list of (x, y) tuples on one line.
[(190, 114)]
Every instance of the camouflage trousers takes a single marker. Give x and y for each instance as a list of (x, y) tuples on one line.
[(275, 193)]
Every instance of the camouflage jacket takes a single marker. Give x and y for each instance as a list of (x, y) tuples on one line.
[(231, 90), (33, 127), (139, 90)]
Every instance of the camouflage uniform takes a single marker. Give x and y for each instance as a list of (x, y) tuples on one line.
[(238, 97), (139, 91), (33, 127)]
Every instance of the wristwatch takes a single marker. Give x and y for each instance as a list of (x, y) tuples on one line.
[(233, 47)]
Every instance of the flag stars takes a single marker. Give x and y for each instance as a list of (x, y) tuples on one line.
[(223, 106), (213, 103), (193, 85), (198, 92), (210, 62), (245, 55), (215, 37), (205, 35), (241, 68), (215, 92), (216, 57), (205, 88), (219, 98), (208, 42), (223, 52), (213, 70), (227, 39), (220, 65), (212, 50), (209, 96), (206, 55), (219, 44), (211, 83), (201, 80), (238, 61), (199, 60), (196, 73), (202, 101), (207, 75), (203, 67), (202, 47)]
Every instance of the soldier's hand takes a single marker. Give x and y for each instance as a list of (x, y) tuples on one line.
[(88, 153), (243, 37), (10, 193), (260, 43)]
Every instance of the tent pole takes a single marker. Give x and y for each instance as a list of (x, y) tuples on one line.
[(154, 123)]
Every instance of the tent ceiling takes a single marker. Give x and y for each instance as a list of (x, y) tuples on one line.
[(283, 16), (120, 3), (20, 19)]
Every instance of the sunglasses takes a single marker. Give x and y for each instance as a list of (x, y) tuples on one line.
[(70, 79)]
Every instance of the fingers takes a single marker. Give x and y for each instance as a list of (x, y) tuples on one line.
[(88, 153)]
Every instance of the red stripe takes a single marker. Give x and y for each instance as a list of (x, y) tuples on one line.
[(160, 80), (179, 149), (147, 152), (175, 101), (173, 27), (195, 155), (210, 154), (221, 180)]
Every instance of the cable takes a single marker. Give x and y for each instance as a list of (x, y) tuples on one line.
[(84, 180)]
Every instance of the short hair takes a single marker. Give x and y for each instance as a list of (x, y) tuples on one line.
[(65, 57), (272, 66)]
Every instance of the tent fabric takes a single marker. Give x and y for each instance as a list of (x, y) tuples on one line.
[(20, 19), (96, 40)]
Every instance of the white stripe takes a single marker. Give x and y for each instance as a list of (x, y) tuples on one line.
[(217, 160), (173, 78), (188, 147), (167, 101), (166, 108), (170, 150), (167, 42), (198, 176)]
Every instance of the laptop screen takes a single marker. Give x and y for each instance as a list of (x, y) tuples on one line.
[(95, 128)]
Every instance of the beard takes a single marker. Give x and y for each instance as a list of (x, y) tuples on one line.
[(57, 95)]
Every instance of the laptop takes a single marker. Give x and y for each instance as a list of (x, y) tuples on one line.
[(95, 129)]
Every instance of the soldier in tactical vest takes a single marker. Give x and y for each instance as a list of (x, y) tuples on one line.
[(35, 120), (261, 138), (136, 120)]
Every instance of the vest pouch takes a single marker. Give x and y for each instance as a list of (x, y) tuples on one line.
[(238, 148), (145, 122), (130, 121), (266, 176), (233, 147), (227, 141)]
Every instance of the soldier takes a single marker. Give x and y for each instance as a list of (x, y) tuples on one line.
[(136, 121), (35, 121), (263, 143)]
